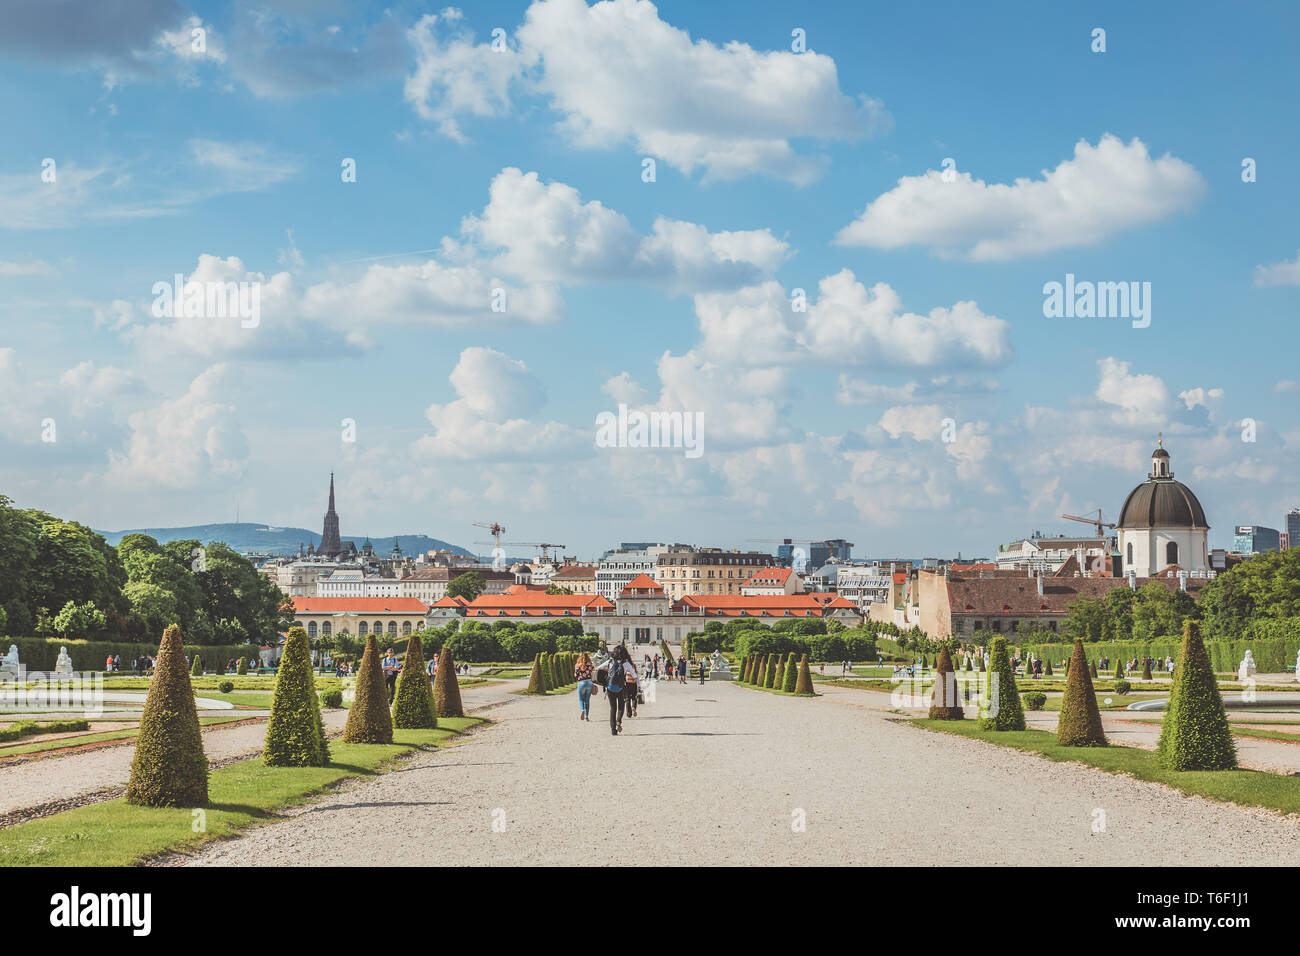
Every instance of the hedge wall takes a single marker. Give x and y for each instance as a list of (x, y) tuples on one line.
[(41, 654), (1274, 643)]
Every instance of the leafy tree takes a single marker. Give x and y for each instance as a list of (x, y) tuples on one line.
[(468, 585), (80, 620)]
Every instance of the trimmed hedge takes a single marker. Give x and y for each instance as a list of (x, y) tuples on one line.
[(1010, 715), (169, 768), (1033, 699), (41, 654), (1080, 722), (29, 728), (413, 702), (945, 703), (295, 736), (369, 721), (804, 686), (446, 688), (1195, 735)]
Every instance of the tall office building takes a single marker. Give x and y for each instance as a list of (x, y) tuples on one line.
[(1254, 539), (1293, 526)]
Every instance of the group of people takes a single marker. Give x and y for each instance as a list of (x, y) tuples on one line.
[(620, 680), (671, 669)]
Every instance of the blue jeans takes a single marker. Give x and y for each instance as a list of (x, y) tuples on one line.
[(584, 696)]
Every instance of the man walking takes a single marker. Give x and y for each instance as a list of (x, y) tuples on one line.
[(391, 668)]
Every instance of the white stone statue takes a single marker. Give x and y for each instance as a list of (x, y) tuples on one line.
[(64, 664), (1247, 668), (9, 663), (719, 669)]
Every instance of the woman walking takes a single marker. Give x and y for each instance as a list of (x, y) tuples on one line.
[(582, 671), (614, 681), (630, 689)]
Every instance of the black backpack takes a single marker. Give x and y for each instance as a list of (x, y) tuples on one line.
[(615, 677)]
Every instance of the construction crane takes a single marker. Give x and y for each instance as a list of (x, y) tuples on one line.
[(542, 557), (495, 527), (1096, 522)]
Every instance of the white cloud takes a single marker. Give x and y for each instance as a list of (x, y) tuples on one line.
[(858, 391), (549, 234), (33, 267), (456, 77), (1279, 273), (491, 418), (183, 442), (1102, 191), (620, 74), (623, 388), (1286, 386), (848, 324), (1193, 397), (239, 167)]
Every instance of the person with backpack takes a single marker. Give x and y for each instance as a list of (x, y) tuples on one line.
[(613, 677), (632, 687)]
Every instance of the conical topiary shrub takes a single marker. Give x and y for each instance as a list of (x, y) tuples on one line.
[(196, 668), (1047, 668), (1080, 722), (1092, 669), (1146, 669), (1119, 670), (553, 671), (536, 684), (804, 685), (413, 702), (791, 677), (1008, 713), (169, 768), (773, 666), (369, 721), (945, 703), (295, 736), (446, 689), (1195, 735), (744, 672), (243, 666)]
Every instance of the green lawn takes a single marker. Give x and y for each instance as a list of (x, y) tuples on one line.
[(1117, 701), (1250, 787), (114, 833)]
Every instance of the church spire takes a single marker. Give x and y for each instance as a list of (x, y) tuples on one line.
[(331, 507), (329, 539)]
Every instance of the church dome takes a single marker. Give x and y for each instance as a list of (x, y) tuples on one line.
[(1161, 502)]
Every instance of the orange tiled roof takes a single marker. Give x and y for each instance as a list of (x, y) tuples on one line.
[(642, 582), (768, 577)]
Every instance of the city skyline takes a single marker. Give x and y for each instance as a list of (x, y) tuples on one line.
[(924, 403)]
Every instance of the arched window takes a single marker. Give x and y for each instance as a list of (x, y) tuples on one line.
[(406, 628), (311, 630), (325, 629), (378, 628), (363, 629), (392, 628), (1171, 553), (1130, 552)]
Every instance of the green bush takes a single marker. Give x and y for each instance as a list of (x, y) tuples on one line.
[(41, 654), (1146, 669), (1080, 722), (1033, 699), (196, 669), (1122, 687), (791, 678), (413, 702), (536, 683), (226, 686), (1195, 735), (331, 698), (446, 688), (29, 728), (295, 736), (1010, 715), (804, 685), (169, 768), (944, 704), (243, 666), (369, 721)]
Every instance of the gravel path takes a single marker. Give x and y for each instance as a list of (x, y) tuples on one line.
[(725, 772)]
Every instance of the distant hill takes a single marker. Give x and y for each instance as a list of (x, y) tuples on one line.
[(267, 539)]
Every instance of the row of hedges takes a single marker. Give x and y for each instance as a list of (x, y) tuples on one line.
[(1273, 654), (41, 654), (853, 644)]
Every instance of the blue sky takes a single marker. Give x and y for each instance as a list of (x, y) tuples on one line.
[(522, 169)]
